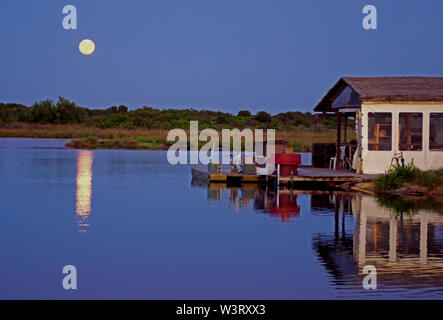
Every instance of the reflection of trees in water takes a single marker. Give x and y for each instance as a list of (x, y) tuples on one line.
[(409, 205)]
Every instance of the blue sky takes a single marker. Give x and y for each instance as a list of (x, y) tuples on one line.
[(214, 54)]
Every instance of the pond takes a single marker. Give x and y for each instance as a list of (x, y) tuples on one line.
[(136, 227)]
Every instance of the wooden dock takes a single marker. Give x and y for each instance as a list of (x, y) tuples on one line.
[(306, 177), (328, 175), (224, 177)]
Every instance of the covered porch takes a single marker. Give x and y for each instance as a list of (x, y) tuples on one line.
[(397, 120), (343, 104)]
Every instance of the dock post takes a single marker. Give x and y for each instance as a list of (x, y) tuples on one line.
[(292, 180), (336, 218), (338, 142)]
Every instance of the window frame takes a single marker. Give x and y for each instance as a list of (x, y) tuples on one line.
[(429, 137), (377, 146), (421, 134)]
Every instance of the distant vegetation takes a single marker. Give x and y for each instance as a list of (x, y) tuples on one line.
[(147, 127), (67, 112)]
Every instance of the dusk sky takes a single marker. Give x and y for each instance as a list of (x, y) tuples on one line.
[(210, 54)]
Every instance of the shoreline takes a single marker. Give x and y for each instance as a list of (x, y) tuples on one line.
[(407, 197), (88, 137), (407, 188)]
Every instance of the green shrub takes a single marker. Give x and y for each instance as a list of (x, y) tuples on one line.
[(263, 116), (395, 177), (244, 113), (399, 176)]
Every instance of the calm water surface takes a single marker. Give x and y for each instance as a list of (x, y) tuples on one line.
[(138, 228)]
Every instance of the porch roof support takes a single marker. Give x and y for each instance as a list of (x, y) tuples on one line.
[(337, 147)]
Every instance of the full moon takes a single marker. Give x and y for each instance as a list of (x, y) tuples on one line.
[(86, 47)]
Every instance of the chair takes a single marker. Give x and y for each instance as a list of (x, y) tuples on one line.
[(344, 160)]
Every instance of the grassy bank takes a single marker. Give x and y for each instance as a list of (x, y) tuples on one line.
[(87, 137), (411, 183), (132, 142)]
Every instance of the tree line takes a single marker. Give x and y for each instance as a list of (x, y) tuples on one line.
[(67, 112)]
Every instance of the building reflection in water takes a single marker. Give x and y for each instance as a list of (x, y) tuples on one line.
[(406, 249), (84, 188), (280, 204)]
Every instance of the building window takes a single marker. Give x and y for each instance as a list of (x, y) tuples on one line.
[(436, 131), (410, 128), (380, 131)]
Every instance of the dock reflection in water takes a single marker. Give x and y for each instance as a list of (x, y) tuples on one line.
[(279, 204), (84, 188), (406, 249)]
